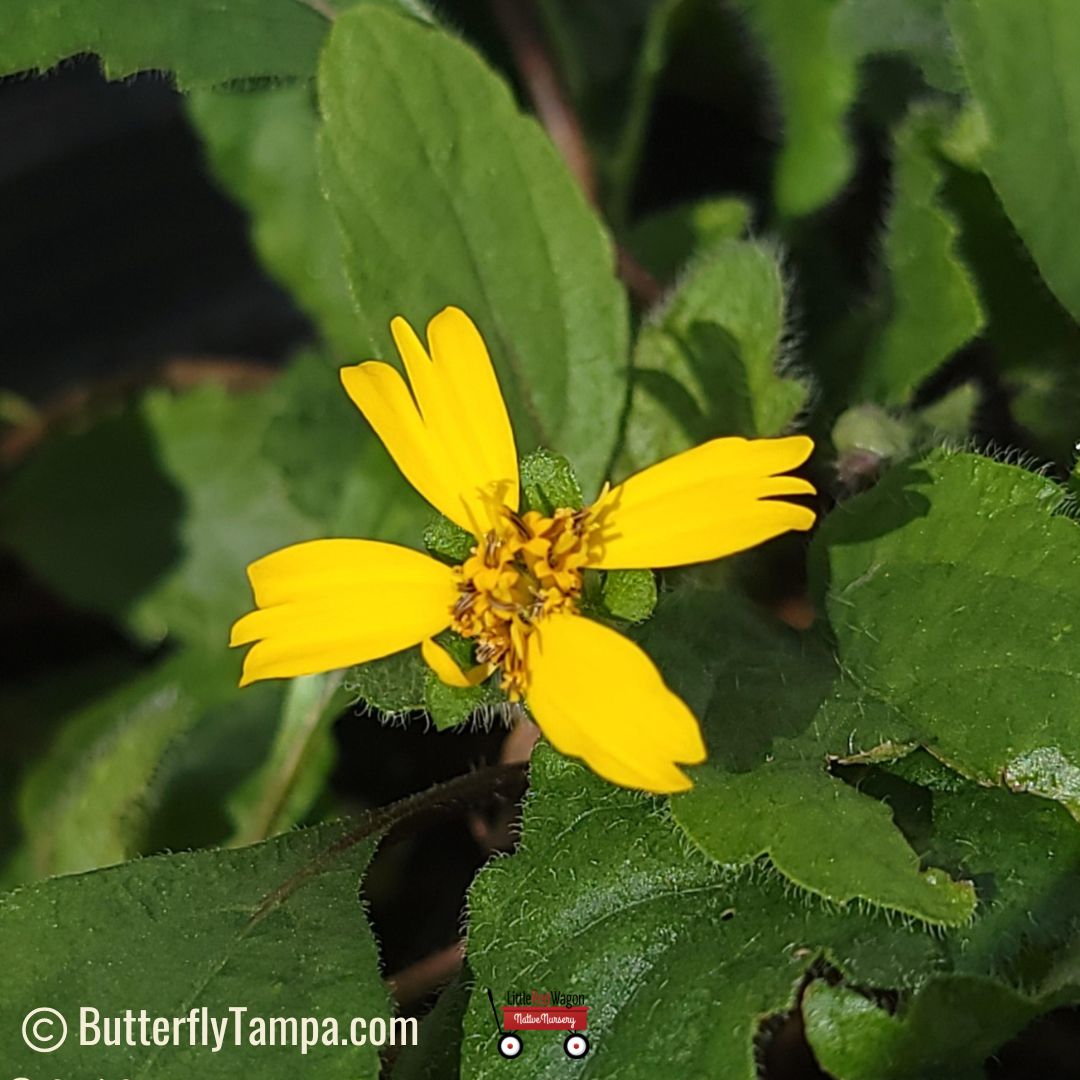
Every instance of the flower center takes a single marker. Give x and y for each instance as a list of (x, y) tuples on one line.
[(527, 567)]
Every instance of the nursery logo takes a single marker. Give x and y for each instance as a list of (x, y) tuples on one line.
[(541, 1010)]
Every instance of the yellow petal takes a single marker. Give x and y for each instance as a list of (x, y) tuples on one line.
[(714, 500), (327, 604), (598, 697), (446, 667), (451, 436)]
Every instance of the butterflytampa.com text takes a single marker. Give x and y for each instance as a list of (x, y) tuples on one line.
[(236, 1026)]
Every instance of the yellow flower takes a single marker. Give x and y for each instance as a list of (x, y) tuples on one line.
[(328, 604)]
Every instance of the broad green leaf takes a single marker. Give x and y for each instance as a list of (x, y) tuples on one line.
[(446, 194), (935, 308), (262, 146), (823, 835), (942, 638), (666, 241), (199, 44), (90, 800), (1019, 61), (605, 899), (277, 929), (950, 588), (815, 72), (711, 362), (763, 694), (282, 791)]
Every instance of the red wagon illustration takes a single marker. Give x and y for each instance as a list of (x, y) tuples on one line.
[(517, 1018)]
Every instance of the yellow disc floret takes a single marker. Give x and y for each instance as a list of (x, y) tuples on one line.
[(527, 567)]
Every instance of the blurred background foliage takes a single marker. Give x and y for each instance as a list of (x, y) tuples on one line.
[(744, 217)]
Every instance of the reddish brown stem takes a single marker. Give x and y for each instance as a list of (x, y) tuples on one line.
[(435, 970), (549, 97), (323, 7)]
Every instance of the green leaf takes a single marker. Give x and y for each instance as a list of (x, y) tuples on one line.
[(1024, 855), (276, 928), (666, 241), (1018, 61), (935, 307), (815, 73), (710, 363), (282, 791), (90, 800), (262, 146), (604, 899), (950, 588), (950, 1029), (446, 194), (763, 695), (548, 483), (200, 45), (822, 834), (917, 578)]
